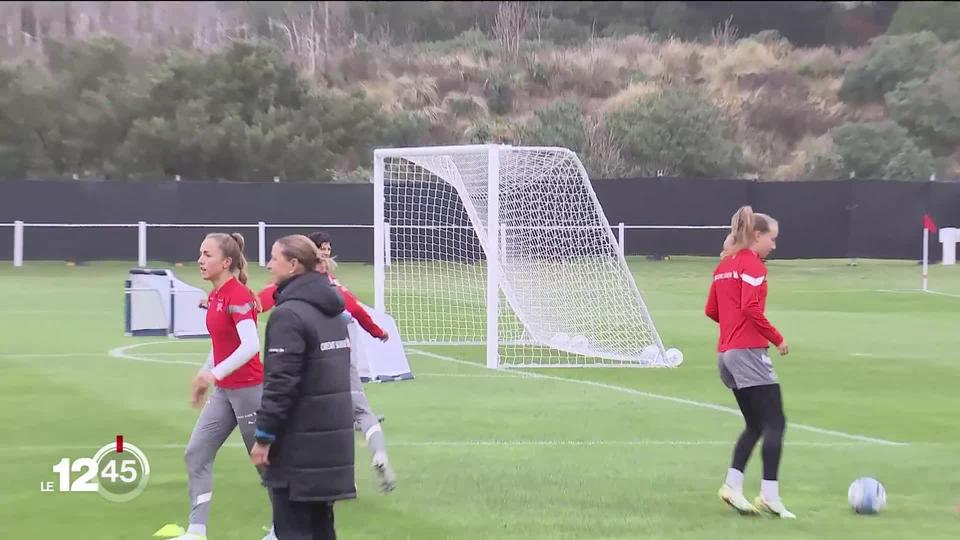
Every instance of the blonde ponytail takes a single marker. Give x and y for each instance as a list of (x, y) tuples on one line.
[(743, 225), (241, 261), (741, 232)]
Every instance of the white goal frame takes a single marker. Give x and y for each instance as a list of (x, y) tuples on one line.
[(494, 238)]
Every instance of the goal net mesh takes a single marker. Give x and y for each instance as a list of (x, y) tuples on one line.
[(567, 297)]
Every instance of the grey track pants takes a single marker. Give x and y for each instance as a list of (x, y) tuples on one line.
[(225, 410), (363, 416)]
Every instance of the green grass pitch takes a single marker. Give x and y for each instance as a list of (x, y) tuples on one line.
[(577, 453)]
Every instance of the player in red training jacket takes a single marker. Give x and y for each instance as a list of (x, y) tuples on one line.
[(233, 369), (737, 302), (365, 418)]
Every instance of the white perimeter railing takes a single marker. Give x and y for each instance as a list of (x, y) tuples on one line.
[(142, 227)]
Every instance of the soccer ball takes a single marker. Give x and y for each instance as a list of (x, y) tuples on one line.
[(674, 357), (867, 496)]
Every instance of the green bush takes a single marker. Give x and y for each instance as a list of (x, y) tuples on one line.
[(891, 60), (878, 150), (622, 29), (473, 41), (941, 18), (930, 109), (678, 132), (563, 32), (769, 37), (910, 164), (561, 124), (241, 114), (500, 94)]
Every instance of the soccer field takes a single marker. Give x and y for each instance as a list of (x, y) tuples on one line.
[(870, 388)]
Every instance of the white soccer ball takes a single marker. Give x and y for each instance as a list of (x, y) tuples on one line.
[(867, 496), (674, 357)]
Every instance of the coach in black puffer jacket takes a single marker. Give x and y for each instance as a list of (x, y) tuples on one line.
[(306, 414)]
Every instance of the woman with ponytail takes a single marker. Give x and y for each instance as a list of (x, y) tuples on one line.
[(737, 302), (233, 369)]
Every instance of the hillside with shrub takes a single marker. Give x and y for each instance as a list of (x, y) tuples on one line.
[(304, 91)]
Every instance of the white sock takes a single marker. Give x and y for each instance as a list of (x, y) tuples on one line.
[(770, 490), (735, 480), (195, 528)]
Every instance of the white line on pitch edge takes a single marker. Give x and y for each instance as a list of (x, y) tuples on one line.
[(701, 404)]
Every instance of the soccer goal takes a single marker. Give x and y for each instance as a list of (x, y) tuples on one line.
[(508, 248)]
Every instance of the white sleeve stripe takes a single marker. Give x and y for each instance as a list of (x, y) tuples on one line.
[(240, 309), (755, 281)]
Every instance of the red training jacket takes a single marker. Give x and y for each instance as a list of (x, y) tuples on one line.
[(351, 304), (738, 300)]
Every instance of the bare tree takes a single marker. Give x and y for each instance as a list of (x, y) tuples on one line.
[(724, 34), (604, 151), (510, 25)]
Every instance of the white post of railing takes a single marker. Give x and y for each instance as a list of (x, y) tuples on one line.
[(18, 243), (621, 230), (262, 243), (493, 257), (142, 244)]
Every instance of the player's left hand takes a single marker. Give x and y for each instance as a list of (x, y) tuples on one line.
[(201, 383), (260, 454)]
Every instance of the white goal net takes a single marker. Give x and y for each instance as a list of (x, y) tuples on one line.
[(506, 247)]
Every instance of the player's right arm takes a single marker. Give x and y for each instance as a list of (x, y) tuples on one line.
[(265, 298), (352, 305), (751, 281)]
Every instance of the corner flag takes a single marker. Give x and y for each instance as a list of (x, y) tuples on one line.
[(928, 227)]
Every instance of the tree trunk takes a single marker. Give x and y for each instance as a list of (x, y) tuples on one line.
[(68, 32), (326, 36), (312, 51)]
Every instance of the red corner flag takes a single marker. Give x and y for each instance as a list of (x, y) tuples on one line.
[(928, 223)]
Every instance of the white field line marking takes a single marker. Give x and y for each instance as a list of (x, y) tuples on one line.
[(462, 444), (89, 355), (916, 291), (471, 375), (944, 294), (122, 352), (701, 404)]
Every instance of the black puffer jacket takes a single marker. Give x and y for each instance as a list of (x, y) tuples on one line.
[(306, 409)]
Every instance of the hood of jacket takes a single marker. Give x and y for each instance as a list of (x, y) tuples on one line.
[(313, 288)]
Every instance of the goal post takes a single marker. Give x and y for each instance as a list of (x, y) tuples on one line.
[(506, 248)]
